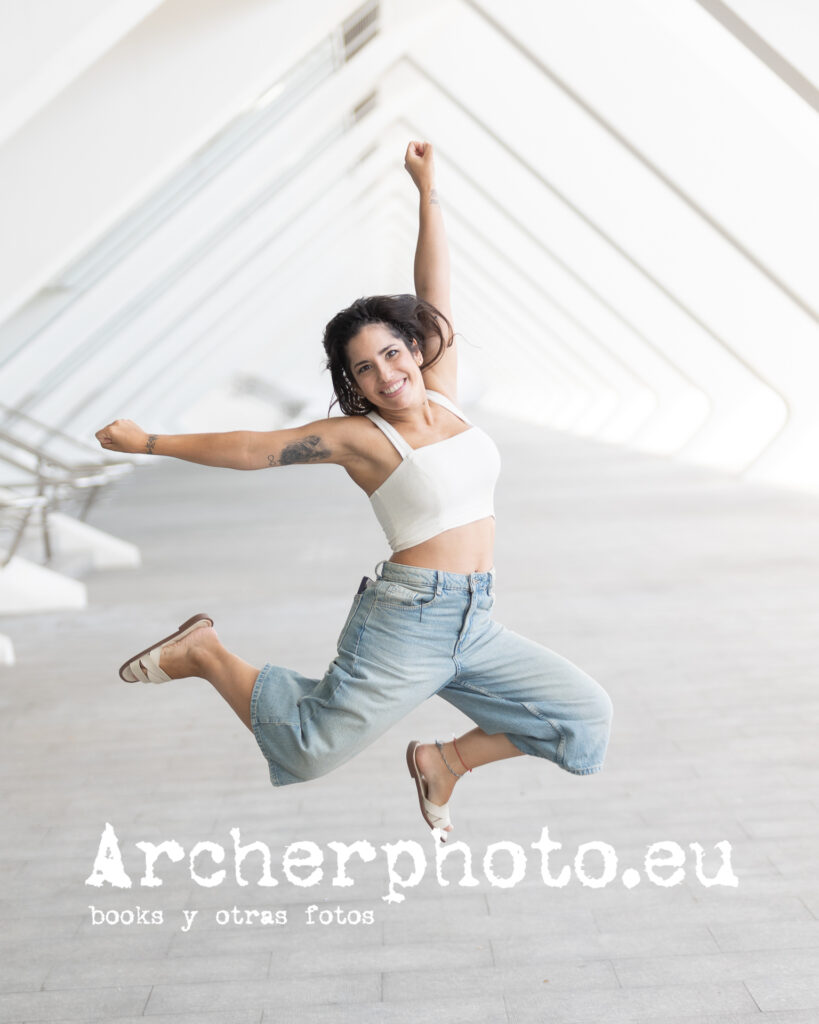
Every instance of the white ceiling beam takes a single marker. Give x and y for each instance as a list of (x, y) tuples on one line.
[(103, 144), (45, 45)]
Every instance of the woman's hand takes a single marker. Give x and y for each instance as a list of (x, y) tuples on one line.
[(123, 436), (419, 164)]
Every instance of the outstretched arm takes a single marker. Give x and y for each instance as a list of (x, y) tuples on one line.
[(431, 268), (321, 441)]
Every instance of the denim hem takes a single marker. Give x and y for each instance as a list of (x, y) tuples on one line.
[(584, 771), (532, 751)]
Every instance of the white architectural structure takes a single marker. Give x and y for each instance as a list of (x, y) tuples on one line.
[(190, 190)]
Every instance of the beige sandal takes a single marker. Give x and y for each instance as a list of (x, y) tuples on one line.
[(437, 817), (144, 667)]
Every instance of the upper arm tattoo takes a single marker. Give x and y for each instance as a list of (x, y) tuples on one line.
[(308, 449)]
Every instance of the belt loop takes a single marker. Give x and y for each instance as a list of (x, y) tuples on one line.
[(439, 582), (378, 567)]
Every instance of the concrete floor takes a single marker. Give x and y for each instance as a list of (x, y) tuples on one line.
[(690, 596)]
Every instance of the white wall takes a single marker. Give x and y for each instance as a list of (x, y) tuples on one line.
[(119, 129)]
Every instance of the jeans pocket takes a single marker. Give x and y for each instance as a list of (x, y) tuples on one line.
[(404, 595)]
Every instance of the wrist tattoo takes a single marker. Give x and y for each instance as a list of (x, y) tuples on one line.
[(433, 198), (149, 444), (271, 460)]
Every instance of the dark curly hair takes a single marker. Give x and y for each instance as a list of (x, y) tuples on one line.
[(406, 316)]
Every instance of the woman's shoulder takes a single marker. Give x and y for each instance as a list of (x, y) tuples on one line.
[(353, 433), (369, 455)]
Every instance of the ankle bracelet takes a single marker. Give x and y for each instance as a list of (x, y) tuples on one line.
[(455, 745), (452, 771)]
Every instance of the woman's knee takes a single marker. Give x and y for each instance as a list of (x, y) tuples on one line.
[(597, 723), (592, 702), (597, 727), (604, 708)]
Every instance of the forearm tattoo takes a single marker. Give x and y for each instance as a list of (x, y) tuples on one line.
[(309, 449), (433, 198), (149, 444)]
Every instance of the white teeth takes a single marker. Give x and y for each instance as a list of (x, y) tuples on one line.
[(392, 390)]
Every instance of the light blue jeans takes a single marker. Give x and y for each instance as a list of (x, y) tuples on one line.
[(412, 633)]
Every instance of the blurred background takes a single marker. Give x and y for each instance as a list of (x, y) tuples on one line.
[(191, 189)]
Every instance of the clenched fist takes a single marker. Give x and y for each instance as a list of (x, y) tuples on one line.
[(419, 164), (123, 436)]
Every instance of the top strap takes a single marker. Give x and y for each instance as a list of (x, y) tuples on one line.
[(399, 443), (447, 403)]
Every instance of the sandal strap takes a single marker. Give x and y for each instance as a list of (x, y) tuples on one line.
[(438, 813), (147, 669)]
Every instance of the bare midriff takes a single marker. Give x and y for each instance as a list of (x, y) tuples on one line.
[(463, 549)]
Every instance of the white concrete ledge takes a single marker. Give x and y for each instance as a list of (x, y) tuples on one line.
[(26, 587), (70, 536), (6, 650)]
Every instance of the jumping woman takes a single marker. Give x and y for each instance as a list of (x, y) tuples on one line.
[(423, 626)]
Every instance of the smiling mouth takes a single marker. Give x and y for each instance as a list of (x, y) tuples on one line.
[(389, 392)]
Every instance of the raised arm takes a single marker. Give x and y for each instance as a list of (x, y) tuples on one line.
[(327, 440), (431, 268)]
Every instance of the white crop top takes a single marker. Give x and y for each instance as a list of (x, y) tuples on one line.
[(438, 486)]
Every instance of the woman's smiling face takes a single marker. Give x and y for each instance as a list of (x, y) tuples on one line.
[(384, 370)]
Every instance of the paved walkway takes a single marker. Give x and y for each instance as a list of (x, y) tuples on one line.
[(691, 597)]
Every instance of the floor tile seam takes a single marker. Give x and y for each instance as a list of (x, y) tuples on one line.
[(346, 975), (801, 899), (762, 949), (88, 987), (319, 972), (725, 1018), (612, 962), (274, 1002), (422, 940), (103, 1020), (564, 993), (576, 987), (697, 921), (127, 989), (162, 958), (713, 954), (676, 984), (21, 991), (751, 996)]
